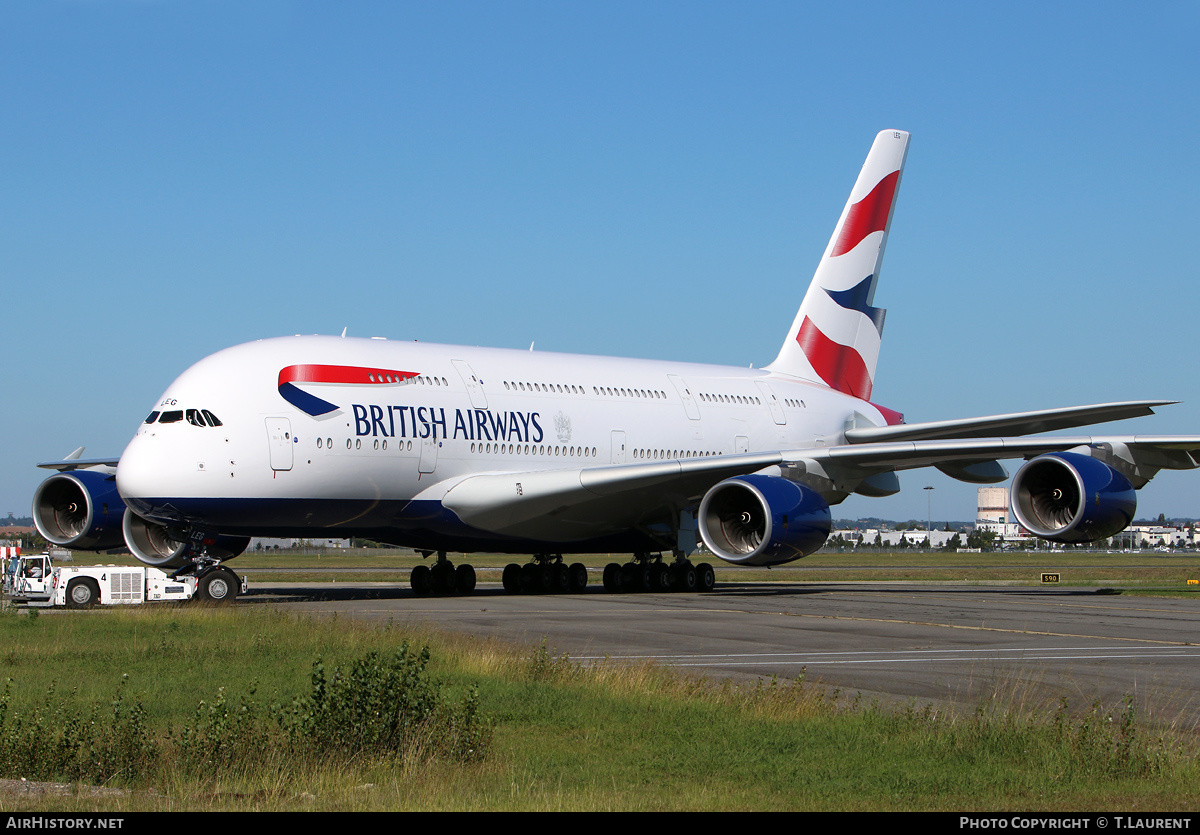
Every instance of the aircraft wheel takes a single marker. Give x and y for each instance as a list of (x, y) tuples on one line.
[(529, 578), (547, 576), (629, 577), (83, 593), (578, 578), (217, 587), (685, 578), (421, 582), (562, 578), (464, 578), (612, 577), (443, 578), (661, 576), (706, 578), (512, 578)]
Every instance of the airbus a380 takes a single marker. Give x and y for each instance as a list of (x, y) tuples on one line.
[(449, 448)]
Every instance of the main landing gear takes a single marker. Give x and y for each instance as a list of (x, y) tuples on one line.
[(443, 577), (649, 573), (545, 574)]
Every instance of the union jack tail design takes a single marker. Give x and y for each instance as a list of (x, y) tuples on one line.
[(835, 337)]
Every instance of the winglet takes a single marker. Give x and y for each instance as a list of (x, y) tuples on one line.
[(836, 334)]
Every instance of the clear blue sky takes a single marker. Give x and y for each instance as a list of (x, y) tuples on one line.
[(651, 179)]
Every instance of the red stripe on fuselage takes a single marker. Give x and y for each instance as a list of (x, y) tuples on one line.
[(352, 374)]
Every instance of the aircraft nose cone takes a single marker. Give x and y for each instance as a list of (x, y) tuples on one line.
[(142, 475)]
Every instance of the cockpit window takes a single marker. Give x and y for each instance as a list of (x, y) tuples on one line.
[(196, 417)]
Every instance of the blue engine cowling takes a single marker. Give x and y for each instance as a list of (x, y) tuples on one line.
[(1071, 498), (763, 520), (80, 509)]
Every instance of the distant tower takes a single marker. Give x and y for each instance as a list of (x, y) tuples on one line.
[(993, 504)]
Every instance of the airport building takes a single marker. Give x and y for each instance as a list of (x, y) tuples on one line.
[(892, 539)]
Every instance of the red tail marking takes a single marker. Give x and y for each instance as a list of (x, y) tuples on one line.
[(840, 366), (867, 215)]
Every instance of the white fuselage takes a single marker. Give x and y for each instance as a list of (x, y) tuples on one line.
[(406, 421)]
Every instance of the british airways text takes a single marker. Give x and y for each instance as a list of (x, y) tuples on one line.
[(433, 422)]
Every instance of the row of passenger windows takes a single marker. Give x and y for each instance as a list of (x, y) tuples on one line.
[(196, 417), (567, 388), (531, 449), (649, 394), (730, 398), (543, 387), (534, 449), (356, 443), (670, 454)]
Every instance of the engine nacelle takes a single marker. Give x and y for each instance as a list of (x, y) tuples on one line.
[(1071, 498), (157, 545), (80, 509), (763, 520)]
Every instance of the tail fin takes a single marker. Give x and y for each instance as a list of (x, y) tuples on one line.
[(835, 337)]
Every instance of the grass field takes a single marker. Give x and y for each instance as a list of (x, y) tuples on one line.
[(194, 708)]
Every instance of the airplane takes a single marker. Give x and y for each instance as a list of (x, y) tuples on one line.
[(451, 448)]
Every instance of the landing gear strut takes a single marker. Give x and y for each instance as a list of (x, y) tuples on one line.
[(648, 573), (443, 577), (546, 574)]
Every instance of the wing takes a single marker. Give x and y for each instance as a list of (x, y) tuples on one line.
[(568, 505), (75, 461), (1019, 423)]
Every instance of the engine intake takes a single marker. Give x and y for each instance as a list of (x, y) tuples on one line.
[(763, 520), (165, 547), (1072, 498), (80, 510)]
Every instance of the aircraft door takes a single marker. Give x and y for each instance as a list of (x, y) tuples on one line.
[(474, 388), (685, 394), (618, 447), (772, 401), (279, 435), (429, 454)]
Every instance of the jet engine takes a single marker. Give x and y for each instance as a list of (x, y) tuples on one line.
[(763, 520), (169, 547), (1072, 498), (80, 509)]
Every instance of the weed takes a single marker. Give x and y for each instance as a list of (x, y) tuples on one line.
[(544, 667), (59, 741), (384, 707)]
